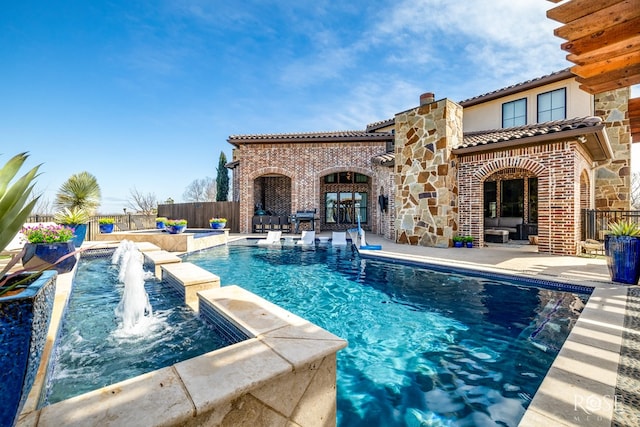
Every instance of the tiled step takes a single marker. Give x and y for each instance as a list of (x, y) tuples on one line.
[(158, 259)]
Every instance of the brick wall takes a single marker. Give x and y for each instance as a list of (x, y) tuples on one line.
[(303, 165)]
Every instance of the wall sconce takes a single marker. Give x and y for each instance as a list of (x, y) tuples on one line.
[(582, 139)]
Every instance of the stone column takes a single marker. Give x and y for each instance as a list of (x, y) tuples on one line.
[(613, 181), (426, 196)]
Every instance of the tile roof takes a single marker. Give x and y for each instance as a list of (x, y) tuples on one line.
[(519, 87), (484, 140), (486, 137), (337, 136)]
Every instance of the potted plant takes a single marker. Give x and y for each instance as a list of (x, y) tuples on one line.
[(458, 241), (622, 249), (75, 218), (160, 222), (217, 222), (46, 244), (26, 298), (80, 193), (106, 225), (176, 226), (468, 241)]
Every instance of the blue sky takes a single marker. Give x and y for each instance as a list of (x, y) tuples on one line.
[(144, 94)]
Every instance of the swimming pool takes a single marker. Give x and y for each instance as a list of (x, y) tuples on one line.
[(439, 348), (93, 350)]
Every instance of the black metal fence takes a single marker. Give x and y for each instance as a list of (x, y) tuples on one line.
[(595, 223)]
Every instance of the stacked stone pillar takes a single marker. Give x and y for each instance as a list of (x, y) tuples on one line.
[(426, 192)]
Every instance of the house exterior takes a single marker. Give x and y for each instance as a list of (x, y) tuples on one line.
[(536, 153)]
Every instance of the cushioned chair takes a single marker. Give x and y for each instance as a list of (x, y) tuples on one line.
[(273, 238), (339, 238), (307, 238)]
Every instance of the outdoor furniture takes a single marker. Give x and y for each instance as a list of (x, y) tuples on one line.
[(257, 225), (273, 238), (304, 216), (496, 236), (339, 238), (508, 223), (307, 238)]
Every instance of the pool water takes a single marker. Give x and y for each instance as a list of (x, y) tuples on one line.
[(92, 351), (425, 347)]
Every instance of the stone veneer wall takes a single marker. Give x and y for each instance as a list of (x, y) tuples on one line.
[(426, 199), (613, 181), (558, 167), (304, 164)]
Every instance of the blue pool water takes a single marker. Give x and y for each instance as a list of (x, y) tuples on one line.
[(92, 351), (425, 347)]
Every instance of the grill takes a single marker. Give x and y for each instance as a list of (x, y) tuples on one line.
[(304, 216)]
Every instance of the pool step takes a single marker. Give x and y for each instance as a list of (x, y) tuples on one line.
[(160, 258), (188, 279)]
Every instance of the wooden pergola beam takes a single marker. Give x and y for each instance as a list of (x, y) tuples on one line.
[(611, 35), (599, 20), (572, 10)]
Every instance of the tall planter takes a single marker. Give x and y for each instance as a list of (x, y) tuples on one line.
[(38, 256), (24, 322), (79, 234), (623, 258)]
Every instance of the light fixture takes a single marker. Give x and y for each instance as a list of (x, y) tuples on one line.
[(582, 139)]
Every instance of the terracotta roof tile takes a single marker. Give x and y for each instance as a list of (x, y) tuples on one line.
[(486, 137), (347, 135), (386, 159)]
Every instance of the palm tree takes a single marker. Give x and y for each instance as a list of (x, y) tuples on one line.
[(80, 191)]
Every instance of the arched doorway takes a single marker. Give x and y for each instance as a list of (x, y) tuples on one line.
[(272, 195), (345, 197)]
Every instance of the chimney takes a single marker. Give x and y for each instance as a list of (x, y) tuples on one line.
[(427, 98)]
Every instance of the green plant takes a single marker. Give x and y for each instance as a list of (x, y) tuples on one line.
[(14, 204), (215, 220), (81, 191), (47, 233), (468, 239), (624, 228), (174, 222), (458, 238), (75, 215), (162, 219), (106, 221)]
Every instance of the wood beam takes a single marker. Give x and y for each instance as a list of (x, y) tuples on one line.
[(614, 34), (614, 75), (607, 51), (611, 84), (572, 10), (600, 20), (606, 66)]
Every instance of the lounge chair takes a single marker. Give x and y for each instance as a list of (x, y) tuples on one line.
[(307, 238), (339, 238), (273, 238)]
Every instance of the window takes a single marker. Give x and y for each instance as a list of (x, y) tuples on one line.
[(552, 105), (533, 200), (514, 113), (490, 199), (344, 207), (512, 197)]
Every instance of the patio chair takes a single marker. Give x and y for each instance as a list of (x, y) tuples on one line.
[(308, 238), (257, 225), (339, 238), (273, 238)]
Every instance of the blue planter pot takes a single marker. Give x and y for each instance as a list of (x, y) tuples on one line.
[(106, 228), (217, 225), (176, 229), (79, 233), (24, 322), (38, 256), (469, 244), (458, 244), (160, 225), (623, 258)]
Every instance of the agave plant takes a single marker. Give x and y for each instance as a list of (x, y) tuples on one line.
[(624, 228), (75, 215), (15, 206)]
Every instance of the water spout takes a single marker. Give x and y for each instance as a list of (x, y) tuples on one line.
[(134, 307)]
